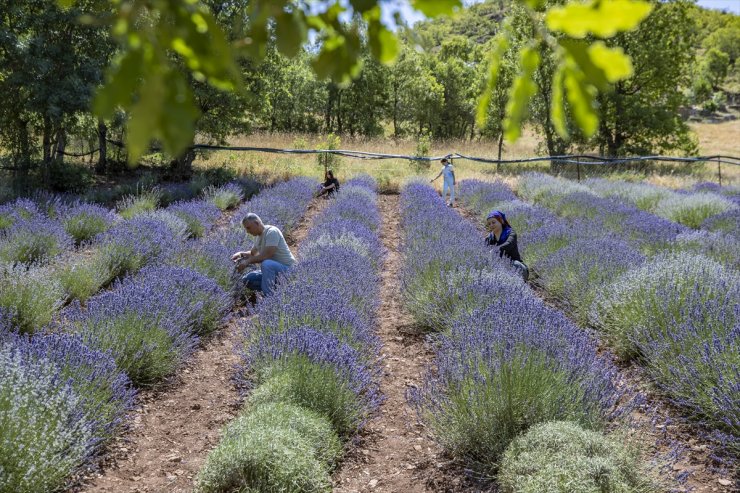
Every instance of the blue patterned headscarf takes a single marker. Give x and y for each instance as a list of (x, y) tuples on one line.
[(502, 219)]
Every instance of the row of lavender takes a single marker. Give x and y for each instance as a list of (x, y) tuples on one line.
[(694, 208), (654, 297), (506, 363), (308, 359), (65, 391), (53, 252)]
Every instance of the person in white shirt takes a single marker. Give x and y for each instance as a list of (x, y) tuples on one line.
[(270, 250), (448, 181)]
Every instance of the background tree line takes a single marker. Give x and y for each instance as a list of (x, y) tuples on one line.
[(50, 65)]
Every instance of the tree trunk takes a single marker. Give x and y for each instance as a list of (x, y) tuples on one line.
[(500, 148), (181, 168), (102, 163), (61, 145)]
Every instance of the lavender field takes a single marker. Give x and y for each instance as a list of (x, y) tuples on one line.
[(631, 315)]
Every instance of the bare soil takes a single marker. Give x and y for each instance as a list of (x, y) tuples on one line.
[(655, 423), (395, 453), (174, 427)]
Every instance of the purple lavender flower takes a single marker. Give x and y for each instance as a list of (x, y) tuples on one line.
[(199, 215), (148, 332), (84, 221), (211, 258), (365, 181), (201, 295), (47, 432), (37, 239), (132, 244), (281, 205), (726, 222), (104, 390), (316, 351)]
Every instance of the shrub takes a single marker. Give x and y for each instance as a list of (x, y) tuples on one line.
[(103, 388), (207, 303), (327, 309), (69, 177), (579, 271), (82, 278), (562, 457), (130, 245), (37, 239), (691, 210), (272, 448), (133, 205), (210, 258), (85, 221), (506, 368), (643, 195), (199, 215), (656, 292), (224, 197), (693, 358), (32, 295), (717, 246), (45, 435), (727, 222), (148, 333), (315, 370)]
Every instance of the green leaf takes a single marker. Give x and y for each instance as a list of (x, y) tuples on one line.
[(65, 4), (582, 99), (578, 51), (383, 43), (601, 18), (557, 103), (123, 80), (290, 32), (521, 92), (613, 62), (494, 63), (144, 119), (435, 8)]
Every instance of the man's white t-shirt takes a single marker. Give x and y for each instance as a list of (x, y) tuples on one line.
[(272, 236), (447, 173)]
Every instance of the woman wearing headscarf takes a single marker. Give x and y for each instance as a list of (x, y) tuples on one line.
[(503, 236)]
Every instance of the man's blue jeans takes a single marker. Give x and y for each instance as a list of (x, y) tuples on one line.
[(264, 280)]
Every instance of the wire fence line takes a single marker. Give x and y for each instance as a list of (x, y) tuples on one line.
[(579, 160)]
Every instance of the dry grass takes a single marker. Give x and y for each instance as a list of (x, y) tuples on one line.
[(720, 138)]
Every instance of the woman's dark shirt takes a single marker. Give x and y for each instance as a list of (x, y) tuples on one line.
[(507, 247), (330, 182)]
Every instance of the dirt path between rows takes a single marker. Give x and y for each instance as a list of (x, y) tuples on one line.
[(395, 453), (174, 428), (654, 420)]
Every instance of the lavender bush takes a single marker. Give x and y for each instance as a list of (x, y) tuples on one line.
[(130, 245), (45, 434), (506, 368), (149, 333), (85, 221), (224, 197), (315, 370), (281, 205), (81, 277), (144, 201), (693, 209), (209, 257), (199, 215), (272, 447), (37, 239), (723, 248), (563, 453), (19, 209), (32, 295), (727, 222), (644, 196), (656, 291), (201, 295), (578, 272)]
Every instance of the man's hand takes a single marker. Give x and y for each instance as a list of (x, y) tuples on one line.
[(239, 256)]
